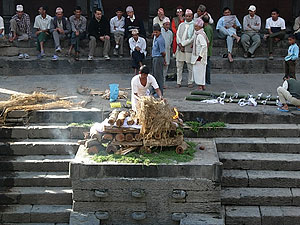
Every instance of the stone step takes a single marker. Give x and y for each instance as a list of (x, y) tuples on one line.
[(38, 147), (260, 161), (36, 196), (266, 145), (202, 219), (261, 196), (262, 215), (38, 131), (35, 179), (13, 66), (247, 130), (260, 178), (35, 214), (36, 163)]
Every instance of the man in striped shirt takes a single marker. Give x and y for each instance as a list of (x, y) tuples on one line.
[(20, 25)]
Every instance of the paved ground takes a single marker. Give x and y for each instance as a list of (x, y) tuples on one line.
[(66, 85)]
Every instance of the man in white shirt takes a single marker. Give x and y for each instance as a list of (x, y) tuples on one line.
[(160, 17), (275, 26), (138, 51), (168, 36), (117, 28), (251, 26), (1, 27), (140, 85), (42, 25)]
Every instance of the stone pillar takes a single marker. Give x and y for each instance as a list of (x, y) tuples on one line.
[(227, 3), (153, 6), (296, 8), (8, 11)]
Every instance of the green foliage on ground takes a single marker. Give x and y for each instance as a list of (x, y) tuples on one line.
[(158, 156), (84, 124), (195, 126)]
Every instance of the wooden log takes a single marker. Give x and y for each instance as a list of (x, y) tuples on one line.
[(126, 143), (118, 130), (138, 137), (107, 137), (111, 149), (130, 121), (113, 117), (93, 150), (125, 151), (129, 137), (157, 136), (120, 137), (121, 118), (181, 148)]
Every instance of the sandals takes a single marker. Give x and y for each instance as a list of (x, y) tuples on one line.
[(283, 110)]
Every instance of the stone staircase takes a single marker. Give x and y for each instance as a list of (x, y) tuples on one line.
[(34, 179), (261, 181)]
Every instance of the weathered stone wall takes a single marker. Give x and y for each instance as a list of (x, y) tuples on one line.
[(123, 194)]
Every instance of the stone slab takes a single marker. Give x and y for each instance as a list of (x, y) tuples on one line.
[(257, 196), (235, 178), (246, 215), (202, 219), (271, 215)]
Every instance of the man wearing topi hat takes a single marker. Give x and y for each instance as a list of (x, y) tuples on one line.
[(251, 26), (20, 25), (185, 37), (137, 50), (133, 22)]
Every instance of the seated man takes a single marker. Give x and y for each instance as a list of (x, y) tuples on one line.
[(78, 26), (42, 24), (133, 22), (251, 26), (296, 27), (227, 27), (1, 27), (140, 85), (60, 28), (137, 49), (160, 17), (99, 31), (20, 25), (275, 26), (117, 24), (201, 11), (289, 92)]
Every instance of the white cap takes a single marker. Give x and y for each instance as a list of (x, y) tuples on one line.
[(252, 8), (129, 9), (19, 8), (59, 10)]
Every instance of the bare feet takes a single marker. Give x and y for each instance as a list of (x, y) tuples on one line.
[(237, 39), (230, 58), (200, 88), (203, 87)]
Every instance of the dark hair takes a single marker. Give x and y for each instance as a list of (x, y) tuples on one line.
[(97, 9), (205, 18), (44, 8), (226, 8), (144, 69), (292, 36), (77, 8), (119, 9), (156, 27), (286, 77), (275, 10)]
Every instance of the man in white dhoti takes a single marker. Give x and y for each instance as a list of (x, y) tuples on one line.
[(199, 55), (185, 37), (168, 36)]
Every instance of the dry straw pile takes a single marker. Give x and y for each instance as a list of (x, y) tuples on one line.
[(155, 116), (29, 102)]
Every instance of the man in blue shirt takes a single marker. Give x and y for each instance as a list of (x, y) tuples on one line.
[(158, 56), (290, 59)]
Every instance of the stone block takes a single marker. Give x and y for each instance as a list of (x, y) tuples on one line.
[(77, 218), (202, 219), (15, 214), (246, 215), (271, 215), (291, 215), (235, 178)]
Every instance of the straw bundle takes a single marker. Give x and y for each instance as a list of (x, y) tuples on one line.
[(155, 116), (35, 101)]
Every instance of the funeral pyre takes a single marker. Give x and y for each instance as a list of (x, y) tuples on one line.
[(154, 124)]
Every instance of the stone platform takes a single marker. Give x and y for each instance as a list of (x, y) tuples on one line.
[(136, 194)]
